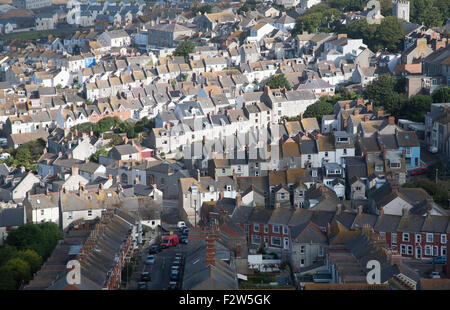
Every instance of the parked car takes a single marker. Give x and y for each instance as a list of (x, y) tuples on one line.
[(178, 256), (184, 231), (142, 286), (169, 241), (419, 171), (433, 149), (176, 263), (173, 285), (154, 249), (438, 260), (435, 275), (150, 260), (174, 275), (184, 239), (145, 276)]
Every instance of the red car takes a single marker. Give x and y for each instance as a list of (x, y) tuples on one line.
[(419, 171)]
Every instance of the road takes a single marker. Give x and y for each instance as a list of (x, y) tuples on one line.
[(160, 270)]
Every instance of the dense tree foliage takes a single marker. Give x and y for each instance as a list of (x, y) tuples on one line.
[(325, 104), (279, 81), (184, 49), (388, 34), (382, 92), (116, 125), (202, 9), (317, 18), (416, 107), (41, 238), (95, 157), (432, 13), (439, 194), (24, 251), (27, 154), (441, 95)]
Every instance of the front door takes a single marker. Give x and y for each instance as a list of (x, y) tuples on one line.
[(418, 252)]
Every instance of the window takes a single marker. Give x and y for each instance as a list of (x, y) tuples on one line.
[(435, 251), (302, 262), (276, 229), (443, 239), (320, 254), (418, 238), (302, 249), (443, 251), (326, 154), (429, 238), (223, 170), (405, 237), (256, 239), (285, 230), (428, 250), (256, 227), (229, 188), (300, 193), (42, 212), (378, 168), (282, 196), (410, 250), (69, 214), (403, 249), (266, 229), (89, 212), (395, 165), (382, 234), (309, 156), (246, 227), (344, 151), (275, 241), (394, 238)]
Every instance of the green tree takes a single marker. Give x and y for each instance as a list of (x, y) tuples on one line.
[(381, 92), (441, 95), (389, 34), (95, 157), (431, 17), (184, 49), (33, 259), (6, 253), (131, 134), (42, 238), (278, 81), (7, 281), (23, 155), (19, 270), (416, 108), (319, 109)]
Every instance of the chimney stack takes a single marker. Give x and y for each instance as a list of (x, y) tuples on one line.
[(74, 170), (210, 251), (404, 211)]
